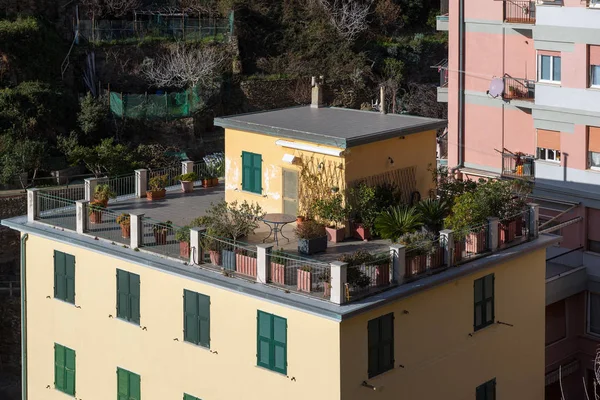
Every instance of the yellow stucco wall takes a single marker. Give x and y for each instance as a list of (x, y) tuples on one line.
[(417, 150), (167, 368), (432, 342)]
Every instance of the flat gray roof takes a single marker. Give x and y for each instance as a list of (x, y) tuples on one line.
[(339, 127)]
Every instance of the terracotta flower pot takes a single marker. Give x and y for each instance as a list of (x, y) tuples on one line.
[(507, 232), (278, 273), (476, 242), (245, 265), (215, 181), (215, 257), (382, 274), (299, 220), (206, 183), (187, 186), (326, 289), (156, 194), (160, 237), (361, 232), (459, 247), (304, 281), (96, 217), (126, 231), (416, 265), (436, 259), (184, 249), (335, 235)]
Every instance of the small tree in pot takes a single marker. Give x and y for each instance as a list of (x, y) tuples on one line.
[(312, 237), (332, 212), (125, 221), (364, 210), (187, 181), (95, 211), (103, 193), (357, 262), (157, 186), (183, 237), (161, 231)]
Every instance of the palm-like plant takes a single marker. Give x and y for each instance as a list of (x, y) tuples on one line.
[(396, 221), (433, 212)]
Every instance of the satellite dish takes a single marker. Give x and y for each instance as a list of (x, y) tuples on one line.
[(496, 87)]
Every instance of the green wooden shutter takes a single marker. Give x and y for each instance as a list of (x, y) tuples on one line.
[(59, 367), (373, 343), (264, 339), (204, 320), (122, 294), (386, 346), (189, 397), (246, 171), (279, 349), (69, 372), (480, 393), (69, 278), (488, 290), (134, 298), (134, 387), (190, 324), (257, 173), (122, 384), (60, 290)]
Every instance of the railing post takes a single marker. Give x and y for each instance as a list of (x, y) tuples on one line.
[(33, 208), (492, 233), (263, 262), (187, 167), (196, 251), (81, 207), (398, 257), (447, 241), (534, 217), (338, 282), (137, 231), (90, 187), (141, 183)]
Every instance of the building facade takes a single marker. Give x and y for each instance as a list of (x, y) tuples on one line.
[(522, 86)]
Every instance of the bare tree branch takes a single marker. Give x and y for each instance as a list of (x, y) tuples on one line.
[(119, 8), (183, 67), (348, 17)]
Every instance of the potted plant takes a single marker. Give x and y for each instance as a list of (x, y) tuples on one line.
[(419, 245), (312, 237), (245, 262), (183, 237), (157, 186), (432, 213), (396, 221), (215, 180), (213, 247), (103, 193), (95, 211), (305, 279), (125, 221), (187, 181), (161, 231), (355, 273), (332, 212), (299, 219), (278, 263), (364, 210)]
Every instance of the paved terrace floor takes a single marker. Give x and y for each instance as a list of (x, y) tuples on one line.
[(181, 208)]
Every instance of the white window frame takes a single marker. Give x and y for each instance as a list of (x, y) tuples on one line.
[(593, 3), (589, 314), (545, 152), (592, 85), (551, 68)]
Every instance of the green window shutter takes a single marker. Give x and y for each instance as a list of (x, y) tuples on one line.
[(60, 272), (257, 173), (264, 339), (69, 278), (135, 390), (480, 393), (483, 295), (134, 298), (59, 367), (190, 322), (122, 294), (279, 344), (486, 391), (122, 384), (380, 333), (373, 333), (204, 320), (246, 170), (69, 372), (189, 397)]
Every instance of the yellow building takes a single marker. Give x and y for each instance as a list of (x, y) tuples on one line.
[(267, 153), (103, 321)]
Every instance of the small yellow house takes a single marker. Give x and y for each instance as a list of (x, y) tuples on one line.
[(268, 153)]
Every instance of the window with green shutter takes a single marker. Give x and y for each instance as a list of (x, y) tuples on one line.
[(271, 349), (251, 172), (128, 296), (196, 322), (484, 302), (487, 391), (64, 276), (190, 397), (381, 344), (128, 385), (64, 369)]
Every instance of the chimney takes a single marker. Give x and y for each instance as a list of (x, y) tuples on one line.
[(317, 92), (382, 99)]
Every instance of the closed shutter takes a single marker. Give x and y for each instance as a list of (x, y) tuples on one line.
[(548, 139), (264, 338), (190, 324), (386, 351), (60, 272), (483, 296), (594, 55), (280, 344), (189, 397), (251, 172), (373, 333), (122, 294), (488, 291), (480, 393), (134, 297), (594, 139), (135, 392), (69, 278), (122, 384), (246, 171), (257, 173), (59, 367), (70, 371), (204, 320)]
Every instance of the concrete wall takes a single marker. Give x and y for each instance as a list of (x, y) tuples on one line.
[(435, 355), (167, 367)]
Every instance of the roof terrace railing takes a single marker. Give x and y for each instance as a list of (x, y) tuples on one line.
[(519, 12)]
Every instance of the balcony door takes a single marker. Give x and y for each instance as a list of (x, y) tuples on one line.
[(290, 192)]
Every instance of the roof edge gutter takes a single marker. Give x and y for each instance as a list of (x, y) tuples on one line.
[(461, 83), (23, 319)]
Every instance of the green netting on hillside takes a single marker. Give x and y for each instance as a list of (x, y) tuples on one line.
[(156, 106)]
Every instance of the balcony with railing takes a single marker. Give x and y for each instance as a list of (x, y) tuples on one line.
[(442, 90), (518, 89), (519, 12), (442, 17), (518, 165)]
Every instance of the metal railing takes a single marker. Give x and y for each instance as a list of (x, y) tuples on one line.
[(102, 223), (444, 8), (123, 186), (426, 257), (365, 278), (231, 257), (298, 274), (513, 230), (159, 237), (519, 89), (520, 12), (74, 192), (518, 166), (443, 71), (171, 173), (471, 244), (201, 170), (57, 211)]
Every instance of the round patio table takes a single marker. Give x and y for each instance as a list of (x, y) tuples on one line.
[(276, 222)]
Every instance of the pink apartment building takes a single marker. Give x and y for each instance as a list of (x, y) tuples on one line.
[(541, 121)]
